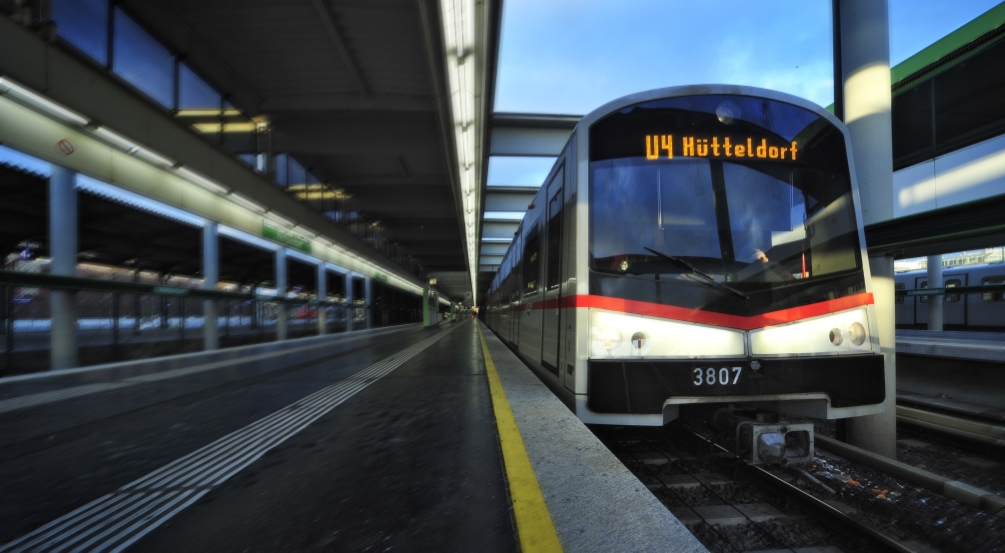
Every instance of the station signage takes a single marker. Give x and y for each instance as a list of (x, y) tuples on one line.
[(286, 236), (665, 146)]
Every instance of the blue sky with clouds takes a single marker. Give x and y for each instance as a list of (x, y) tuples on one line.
[(571, 56)]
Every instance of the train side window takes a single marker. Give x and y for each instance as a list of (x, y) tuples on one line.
[(900, 286), (531, 261), (555, 241), (993, 296), (953, 283), (924, 299)]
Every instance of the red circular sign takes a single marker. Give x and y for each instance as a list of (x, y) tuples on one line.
[(65, 146)]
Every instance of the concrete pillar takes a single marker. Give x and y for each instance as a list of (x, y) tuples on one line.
[(426, 316), (863, 30), (935, 303), (282, 322), (349, 300), (63, 250), (322, 311), (211, 277), (368, 292)]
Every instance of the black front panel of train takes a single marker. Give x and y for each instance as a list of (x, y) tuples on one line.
[(641, 387)]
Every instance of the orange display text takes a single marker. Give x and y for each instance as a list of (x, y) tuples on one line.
[(663, 146)]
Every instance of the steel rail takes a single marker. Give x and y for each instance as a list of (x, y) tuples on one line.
[(817, 504)]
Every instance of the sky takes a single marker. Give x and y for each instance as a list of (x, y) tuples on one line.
[(571, 56)]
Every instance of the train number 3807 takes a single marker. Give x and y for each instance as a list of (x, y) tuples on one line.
[(711, 376)]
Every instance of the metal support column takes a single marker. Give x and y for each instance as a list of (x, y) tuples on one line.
[(282, 320), (368, 294), (322, 310), (349, 310), (935, 303), (427, 315), (63, 248), (210, 278), (862, 27)]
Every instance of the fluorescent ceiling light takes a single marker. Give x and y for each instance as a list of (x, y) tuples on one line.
[(207, 112), (137, 201), (490, 240), (504, 215), (202, 181), (302, 256), (306, 230), (130, 147), (247, 238), (224, 127), (246, 203), (279, 219), (38, 101)]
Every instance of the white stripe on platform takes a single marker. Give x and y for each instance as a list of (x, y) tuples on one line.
[(115, 521), (42, 398)]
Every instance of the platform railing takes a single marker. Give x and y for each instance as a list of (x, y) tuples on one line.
[(118, 321), (997, 291)]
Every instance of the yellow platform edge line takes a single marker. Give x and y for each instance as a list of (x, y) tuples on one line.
[(534, 527)]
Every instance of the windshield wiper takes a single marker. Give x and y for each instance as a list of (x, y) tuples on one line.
[(702, 277)]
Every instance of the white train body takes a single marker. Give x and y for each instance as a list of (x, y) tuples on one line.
[(696, 245)]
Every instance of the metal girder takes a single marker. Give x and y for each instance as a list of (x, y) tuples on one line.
[(528, 142), (518, 134), (508, 201), (959, 227), (329, 22), (346, 102)]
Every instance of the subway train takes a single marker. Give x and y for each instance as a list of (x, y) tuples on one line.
[(696, 247), (980, 312)]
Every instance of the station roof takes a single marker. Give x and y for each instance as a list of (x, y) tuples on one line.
[(355, 90)]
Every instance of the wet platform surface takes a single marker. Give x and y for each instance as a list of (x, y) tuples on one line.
[(387, 441)]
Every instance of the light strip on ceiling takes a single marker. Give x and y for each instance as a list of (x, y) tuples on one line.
[(458, 18), (130, 147), (275, 217), (202, 181), (246, 203), (137, 201), (23, 94)]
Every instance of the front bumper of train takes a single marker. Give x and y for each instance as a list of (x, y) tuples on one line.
[(644, 386)]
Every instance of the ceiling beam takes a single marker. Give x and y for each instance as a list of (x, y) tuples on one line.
[(348, 102), (339, 43)]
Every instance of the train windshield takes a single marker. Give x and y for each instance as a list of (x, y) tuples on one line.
[(728, 203)]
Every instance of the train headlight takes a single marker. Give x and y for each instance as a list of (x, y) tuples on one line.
[(845, 332), (610, 337), (651, 338)]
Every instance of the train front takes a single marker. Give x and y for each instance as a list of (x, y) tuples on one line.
[(726, 262)]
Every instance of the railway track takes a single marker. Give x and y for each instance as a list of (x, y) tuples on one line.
[(734, 507), (827, 506)]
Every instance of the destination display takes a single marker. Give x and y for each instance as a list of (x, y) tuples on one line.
[(665, 146)]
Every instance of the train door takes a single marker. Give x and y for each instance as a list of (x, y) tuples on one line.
[(552, 309), (921, 302), (530, 307), (954, 312), (904, 307)]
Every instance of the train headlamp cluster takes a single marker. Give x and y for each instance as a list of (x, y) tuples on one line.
[(654, 338), (622, 336), (845, 332)]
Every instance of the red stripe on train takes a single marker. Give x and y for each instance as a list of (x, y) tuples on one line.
[(707, 317)]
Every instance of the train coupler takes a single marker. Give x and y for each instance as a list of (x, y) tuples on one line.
[(762, 443)]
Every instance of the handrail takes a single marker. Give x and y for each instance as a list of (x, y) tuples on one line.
[(981, 289), (44, 280)]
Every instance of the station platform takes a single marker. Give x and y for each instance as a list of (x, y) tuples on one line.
[(949, 344), (393, 439)]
